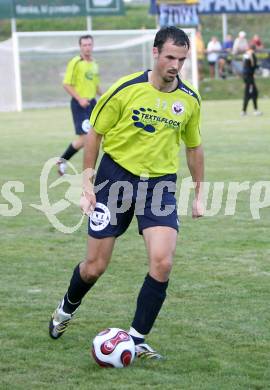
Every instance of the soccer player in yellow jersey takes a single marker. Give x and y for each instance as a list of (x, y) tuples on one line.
[(141, 119), (81, 82)]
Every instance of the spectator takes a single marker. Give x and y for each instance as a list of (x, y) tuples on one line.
[(240, 46), (225, 57), (200, 48), (213, 51), (257, 42), (265, 66)]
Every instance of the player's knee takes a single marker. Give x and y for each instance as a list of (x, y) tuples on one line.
[(78, 143), (93, 269), (162, 265)]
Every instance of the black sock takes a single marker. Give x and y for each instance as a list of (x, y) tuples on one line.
[(69, 152), (76, 291), (149, 302)]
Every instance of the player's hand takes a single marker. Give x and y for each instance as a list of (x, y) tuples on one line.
[(83, 102), (197, 208), (88, 202)]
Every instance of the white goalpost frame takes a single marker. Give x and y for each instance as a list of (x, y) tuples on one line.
[(17, 71), (16, 50), (195, 76)]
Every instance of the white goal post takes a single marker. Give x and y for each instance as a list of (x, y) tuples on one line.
[(40, 59)]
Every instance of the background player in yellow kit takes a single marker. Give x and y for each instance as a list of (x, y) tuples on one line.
[(81, 82)]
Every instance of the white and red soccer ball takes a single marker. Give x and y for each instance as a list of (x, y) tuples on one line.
[(113, 347)]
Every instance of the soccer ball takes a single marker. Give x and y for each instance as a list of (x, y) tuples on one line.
[(113, 347)]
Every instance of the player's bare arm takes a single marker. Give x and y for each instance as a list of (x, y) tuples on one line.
[(91, 151), (72, 92), (195, 161)]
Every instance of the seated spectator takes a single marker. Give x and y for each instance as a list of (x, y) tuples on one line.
[(240, 46), (224, 61), (227, 45), (265, 66), (257, 42), (213, 52), (200, 48)]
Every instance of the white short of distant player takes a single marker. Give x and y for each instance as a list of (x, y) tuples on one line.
[(40, 60)]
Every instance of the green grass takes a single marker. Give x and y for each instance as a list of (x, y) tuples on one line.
[(231, 88), (214, 326)]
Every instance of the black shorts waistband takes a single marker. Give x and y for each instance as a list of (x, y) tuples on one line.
[(107, 159)]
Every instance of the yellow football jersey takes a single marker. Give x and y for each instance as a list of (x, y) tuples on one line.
[(143, 127)]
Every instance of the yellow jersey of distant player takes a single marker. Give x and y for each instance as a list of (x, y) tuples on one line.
[(83, 76)]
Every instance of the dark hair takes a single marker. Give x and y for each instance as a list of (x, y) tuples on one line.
[(88, 36), (178, 36)]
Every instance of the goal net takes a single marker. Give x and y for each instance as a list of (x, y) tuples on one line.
[(7, 77), (40, 60)]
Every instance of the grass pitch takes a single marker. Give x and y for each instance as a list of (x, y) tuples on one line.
[(214, 326)]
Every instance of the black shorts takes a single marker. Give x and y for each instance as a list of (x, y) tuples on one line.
[(81, 116), (120, 195)]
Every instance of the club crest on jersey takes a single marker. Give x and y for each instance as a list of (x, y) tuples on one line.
[(178, 108), (100, 217), (89, 75)]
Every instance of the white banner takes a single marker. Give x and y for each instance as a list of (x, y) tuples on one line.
[(233, 6)]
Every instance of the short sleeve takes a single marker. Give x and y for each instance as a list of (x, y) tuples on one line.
[(106, 113), (69, 77), (191, 134), (97, 75)]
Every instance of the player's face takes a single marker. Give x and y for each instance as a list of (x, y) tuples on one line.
[(170, 60), (86, 47)]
